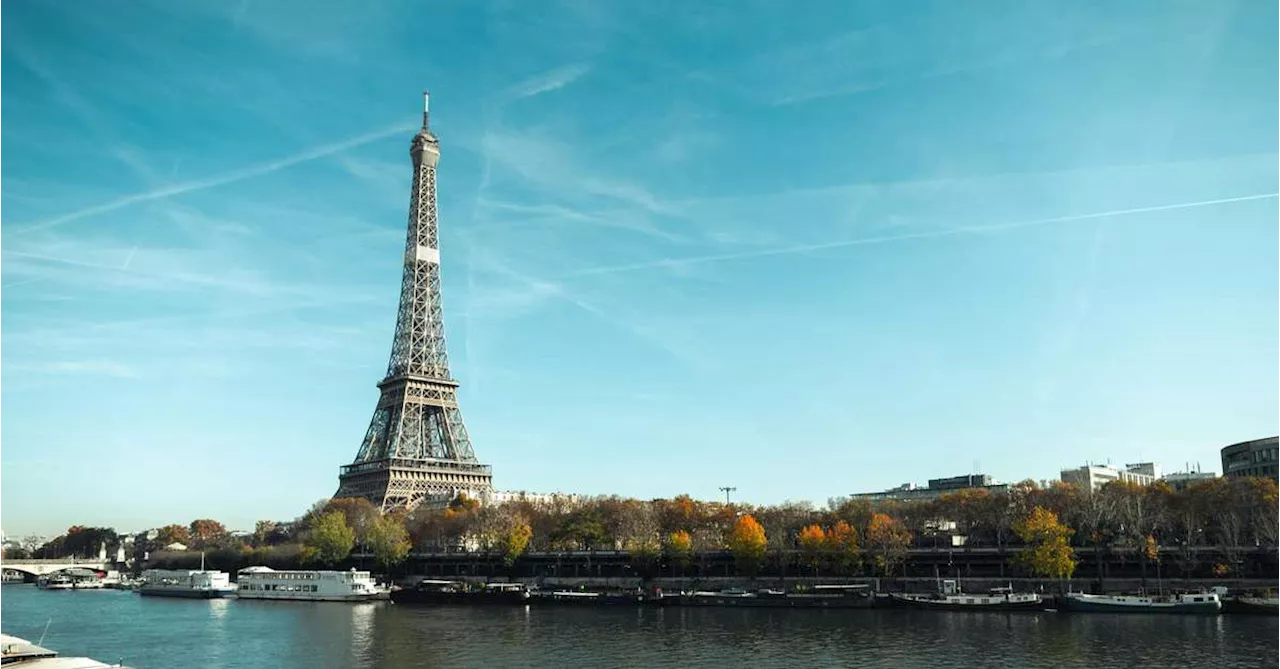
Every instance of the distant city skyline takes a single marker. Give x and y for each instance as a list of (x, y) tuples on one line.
[(798, 255)]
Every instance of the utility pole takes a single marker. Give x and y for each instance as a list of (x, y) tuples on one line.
[(727, 490)]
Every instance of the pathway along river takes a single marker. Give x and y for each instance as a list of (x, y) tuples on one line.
[(160, 633)]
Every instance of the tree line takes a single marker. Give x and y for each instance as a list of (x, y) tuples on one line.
[(850, 536)]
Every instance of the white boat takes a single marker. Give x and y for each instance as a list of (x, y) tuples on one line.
[(54, 582), (193, 583), (80, 579), (950, 598), (22, 654), (308, 585), (1203, 602)]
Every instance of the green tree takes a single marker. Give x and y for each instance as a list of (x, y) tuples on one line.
[(514, 540), (361, 516), (747, 543), (331, 539), (389, 542), (1049, 552)]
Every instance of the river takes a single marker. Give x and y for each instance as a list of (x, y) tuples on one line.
[(160, 633)]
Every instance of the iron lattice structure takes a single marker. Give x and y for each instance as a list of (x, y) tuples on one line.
[(416, 446)]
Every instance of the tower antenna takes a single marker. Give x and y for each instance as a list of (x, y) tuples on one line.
[(426, 109)]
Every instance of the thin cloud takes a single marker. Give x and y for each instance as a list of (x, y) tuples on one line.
[(935, 234), (220, 180), (549, 81)]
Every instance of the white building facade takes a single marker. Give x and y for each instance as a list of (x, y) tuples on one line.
[(1093, 477)]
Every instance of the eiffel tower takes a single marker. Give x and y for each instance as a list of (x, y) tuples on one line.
[(416, 447)]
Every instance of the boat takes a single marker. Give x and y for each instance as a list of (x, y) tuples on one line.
[(191, 583), (1269, 606), (592, 597), (54, 582), (428, 591), (22, 654), (1192, 603), (950, 598), (308, 585), (71, 579), (819, 596)]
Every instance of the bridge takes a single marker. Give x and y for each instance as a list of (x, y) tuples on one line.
[(44, 567)]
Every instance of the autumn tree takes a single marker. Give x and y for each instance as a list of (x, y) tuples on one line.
[(747, 543), (678, 548), (206, 533), (389, 542), (813, 545), (842, 544), (171, 534), (330, 540), (1048, 552), (888, 541)]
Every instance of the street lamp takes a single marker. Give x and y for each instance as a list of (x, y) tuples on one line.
[(727, 490)]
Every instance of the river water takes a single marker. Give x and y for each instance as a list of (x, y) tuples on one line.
[(159, 633)]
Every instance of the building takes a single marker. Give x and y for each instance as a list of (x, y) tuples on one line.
[(1092, 477), (1145, 468), (936, 488), (534, 498), (1251, 458), (1180, 480)]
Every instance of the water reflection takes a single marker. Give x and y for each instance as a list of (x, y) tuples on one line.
[(362, 625)]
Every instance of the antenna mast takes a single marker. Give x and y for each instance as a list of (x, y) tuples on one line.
[(426, 108)]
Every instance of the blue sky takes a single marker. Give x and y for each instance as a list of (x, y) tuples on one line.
[(803, 250)]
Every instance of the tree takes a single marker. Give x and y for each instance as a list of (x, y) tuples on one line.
[(888, 541), (361, 516), (1048, 553), (679, 548), (263, 531), (515, 538), (331, 539), (747, 542), (842, 543), (813, 544), (206, 533), (170, 534), (388, 541)]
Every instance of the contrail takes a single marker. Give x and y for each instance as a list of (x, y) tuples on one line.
[(220, 180), (951, 232), (129, 259)]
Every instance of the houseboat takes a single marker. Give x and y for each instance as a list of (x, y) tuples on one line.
[(1203, 603), (192, 583), (429, 591), (950, 598), (316, 586), (22, 654), (819, 596), (1267, 606)]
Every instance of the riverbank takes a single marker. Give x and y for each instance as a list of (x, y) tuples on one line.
[(677, 584)]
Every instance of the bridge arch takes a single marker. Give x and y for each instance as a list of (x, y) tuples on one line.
[(37, 568)]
